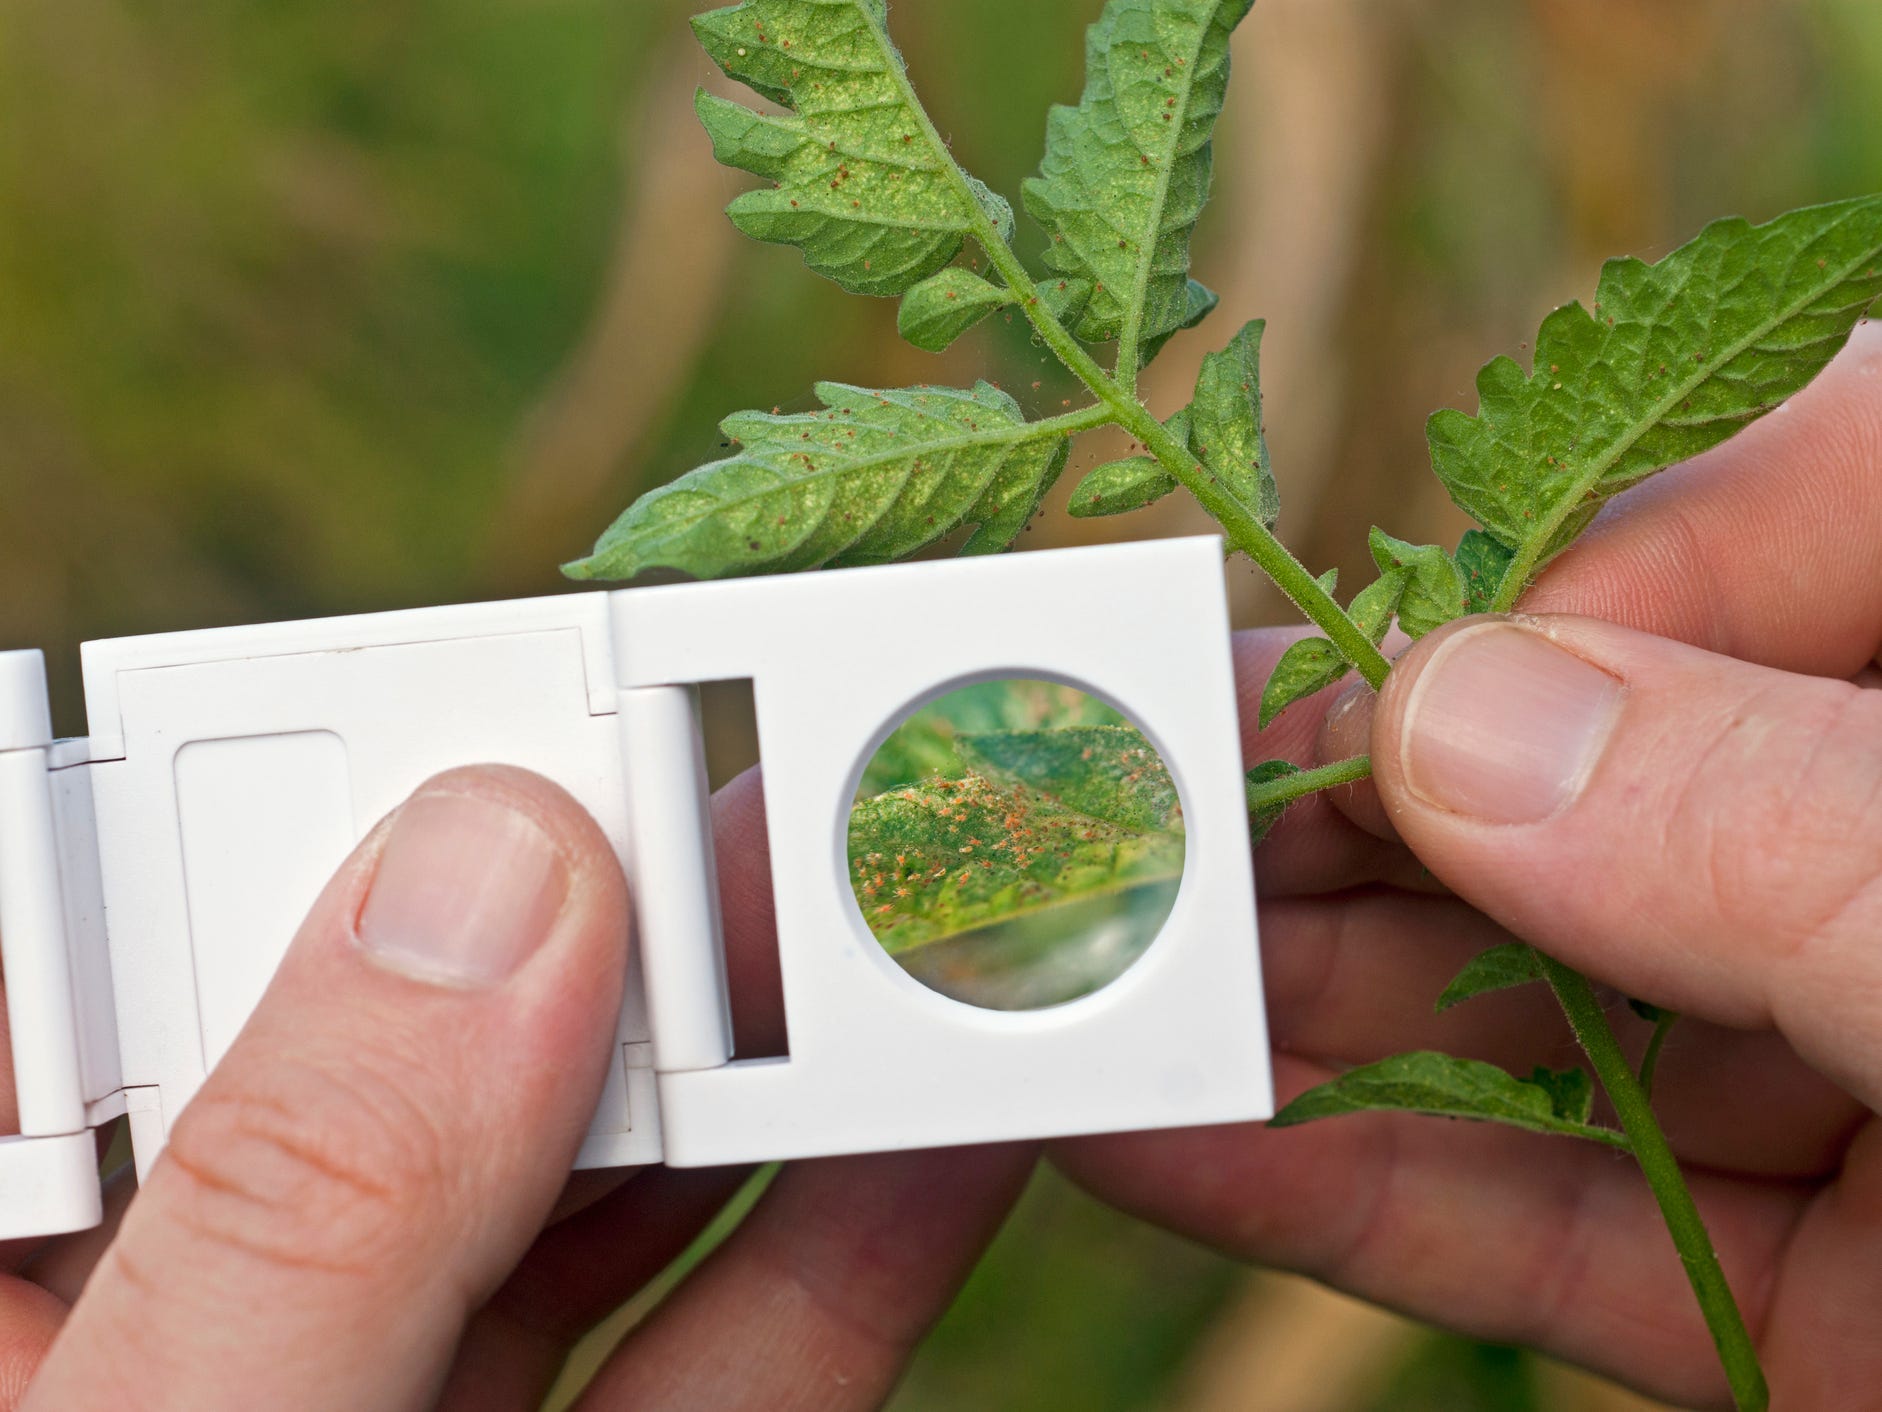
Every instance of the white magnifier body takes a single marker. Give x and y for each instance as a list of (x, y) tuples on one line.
[(153, 873)]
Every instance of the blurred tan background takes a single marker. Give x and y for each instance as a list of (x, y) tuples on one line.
[(309, 308)]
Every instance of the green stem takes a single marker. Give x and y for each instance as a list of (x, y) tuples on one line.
[(1278, 794), (1662, 1171), (1098, 414), (1252, 537), (1650, 1061), (1245, 529)]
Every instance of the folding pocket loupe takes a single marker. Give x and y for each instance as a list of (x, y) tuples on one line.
[(153, 873)]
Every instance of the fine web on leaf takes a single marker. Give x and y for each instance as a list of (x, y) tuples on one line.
[(872, 477), (1126, 173), (863, 187), (943, 307), (1673, 358)]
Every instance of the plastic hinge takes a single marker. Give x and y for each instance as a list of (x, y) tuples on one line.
[(49, 1173), (676, 889)]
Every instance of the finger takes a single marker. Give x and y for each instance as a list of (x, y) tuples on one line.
[(820, 1296), (1768, 549), (1353, 978), (743, 850), (1820, 1338), (1315, 848), (1502, 1235), (1704, 833), (577, 1273), (66, 1263), (1689, 554), (387, 1133), (30, 1319)]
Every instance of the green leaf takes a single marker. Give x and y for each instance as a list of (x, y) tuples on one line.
[(923, 746), (1434, 592), (947, 856), (1306, 667), (1200, 302), (1225, 424), (1448, 1087), (1126, 172), (1483, 560), (1501, 967), (1329, 581), (874, 477), (1674, 358), (1571, 1092), (1105, 772), (1372, 607), (1261, 822), (863, 186), (943, 307), (1065, 299), (1118, 487)]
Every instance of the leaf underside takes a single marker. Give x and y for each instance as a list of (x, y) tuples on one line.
[(1435, 591), (1127, 171), (1313, 663), (1107, 772), (1482, 560), (1499, 968), (863, 188), (873, 477), (1309, 665), (1549, 1101), (1225, 430), (1118, 487), (1034, 819), (1673, 359), (943, 307), (1261, 821)]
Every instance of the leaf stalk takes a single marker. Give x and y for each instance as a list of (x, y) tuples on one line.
[(1278, 794), (1650, 1061), (1661, 1168), (1245, 531)]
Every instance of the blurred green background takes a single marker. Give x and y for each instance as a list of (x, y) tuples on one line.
[(309, 308)]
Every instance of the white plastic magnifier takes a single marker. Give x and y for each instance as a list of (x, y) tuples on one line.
[(153, 874)]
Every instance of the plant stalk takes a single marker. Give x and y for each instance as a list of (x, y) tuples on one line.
[(1661, 1168), (1650, 1061), (1278, 794), (1245, 531)]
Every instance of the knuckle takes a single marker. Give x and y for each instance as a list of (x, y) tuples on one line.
[(307, 1167)]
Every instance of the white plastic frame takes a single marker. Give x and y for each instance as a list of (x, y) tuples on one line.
[(228, 771)]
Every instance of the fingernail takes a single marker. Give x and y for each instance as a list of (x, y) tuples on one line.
[(1504, 726), (467, 889)]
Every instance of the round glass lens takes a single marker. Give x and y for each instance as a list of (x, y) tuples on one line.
[(1016, 844)]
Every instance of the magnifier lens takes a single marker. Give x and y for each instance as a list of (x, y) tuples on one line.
[(1016, 844)]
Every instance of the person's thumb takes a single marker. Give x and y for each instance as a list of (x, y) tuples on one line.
[(1703, 833), (388, 1132)]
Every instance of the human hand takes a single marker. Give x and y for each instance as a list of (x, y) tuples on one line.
[(1693, 817), (365, 1206)]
